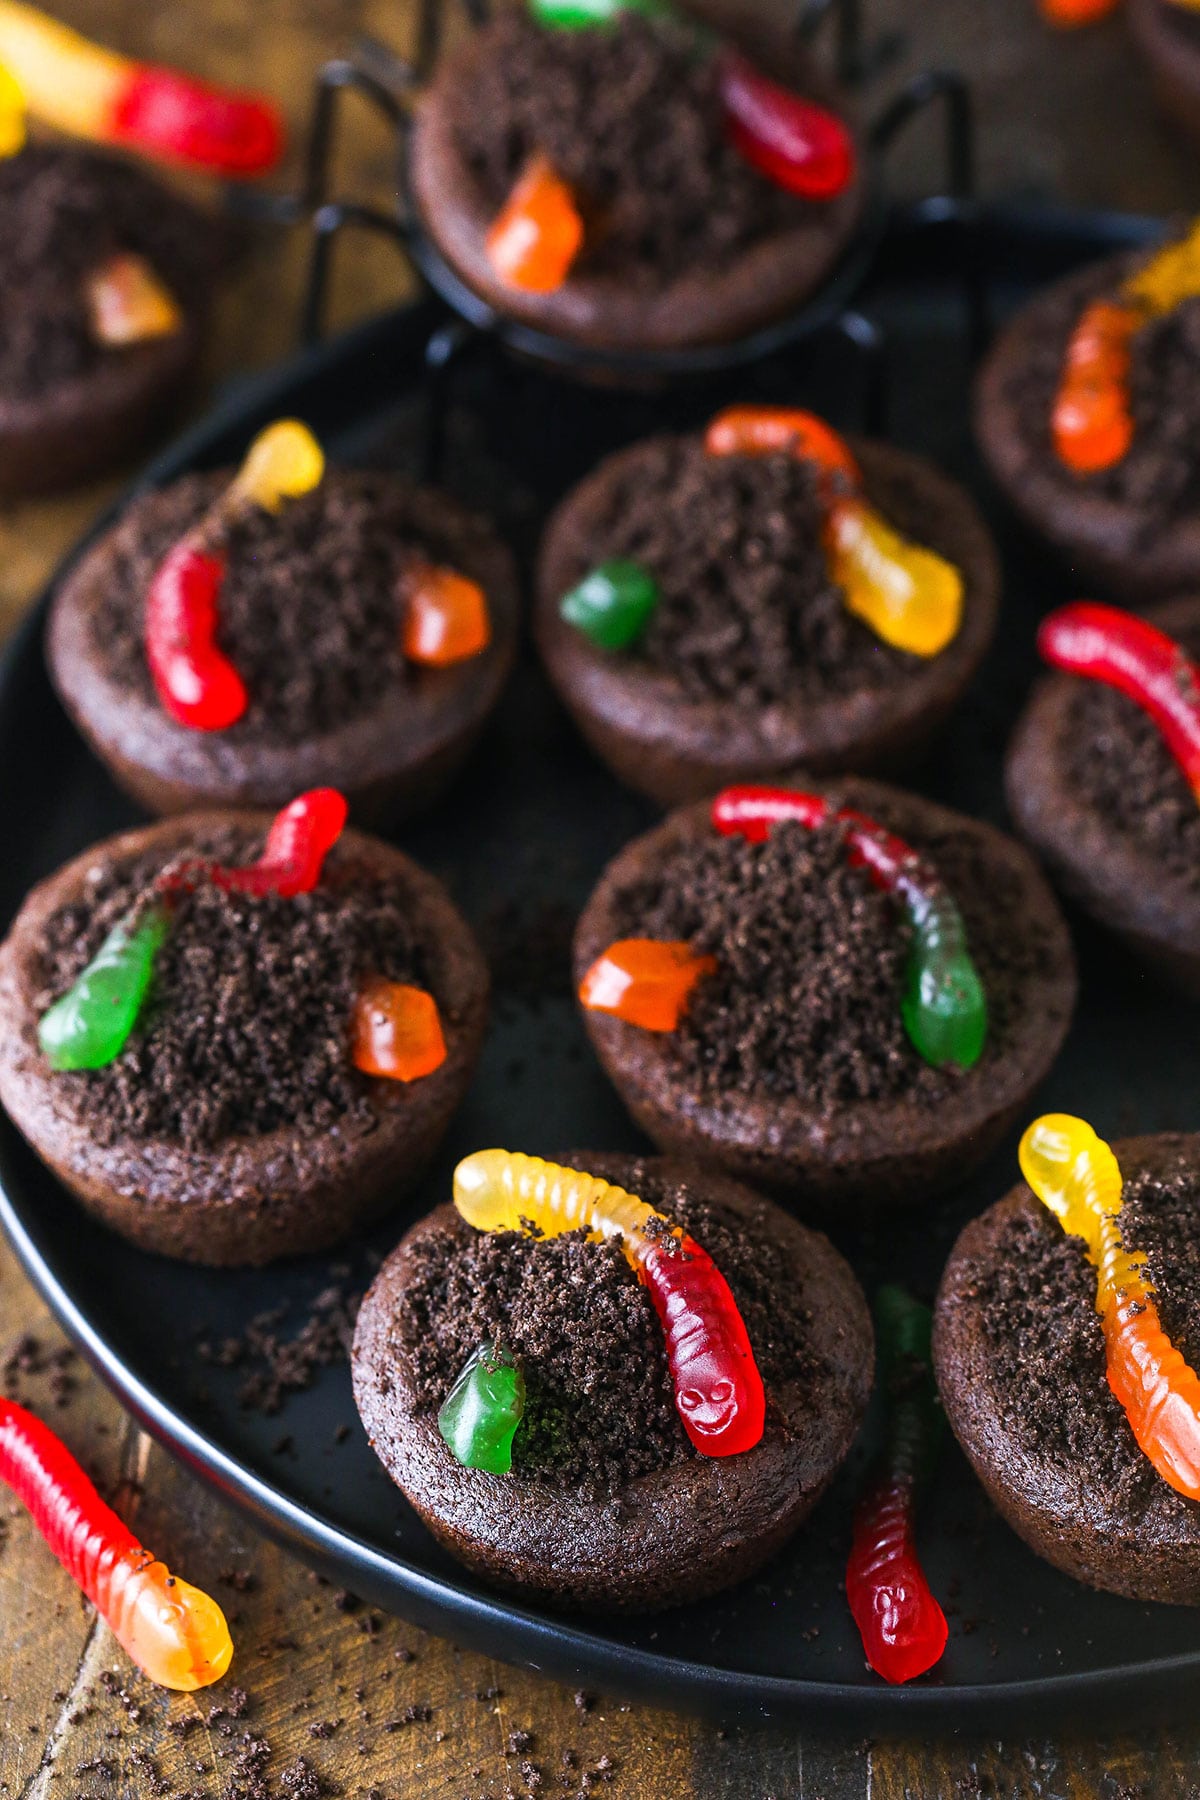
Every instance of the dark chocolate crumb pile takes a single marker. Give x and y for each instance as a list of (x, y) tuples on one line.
[(312, 601), (30, 1359), (631, 118), (246, 1026), (277, 1362), (1159, 477), (747, 611), (1036, 1305), (599, 1406), (64, 212), (811, 962), (1119, 762)]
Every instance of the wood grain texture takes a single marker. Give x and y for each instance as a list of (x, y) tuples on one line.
[(74, 1719)]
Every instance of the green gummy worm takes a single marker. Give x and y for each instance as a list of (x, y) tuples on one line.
[(479, 1416), (612, 604), (90, 1025)]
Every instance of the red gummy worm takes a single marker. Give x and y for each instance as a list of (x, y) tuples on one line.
[(718, 1389), (1138, 659), (175, 1633), (86, 1535), (174, 115), (300, 839), (750, 812), (902, 1627), (1075, 12), (194, 680), (794, 143)]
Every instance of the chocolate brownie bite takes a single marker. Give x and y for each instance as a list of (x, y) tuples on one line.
[(314, 615), (1130, 525), (1094, 788), (751, 661), (608, 1505), (1020, 1354), (663, 235), (235, 1122), (793, 1062), (106, 290), (1168, 37)]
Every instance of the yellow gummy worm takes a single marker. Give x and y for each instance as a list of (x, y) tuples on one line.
[(910, 596), (1075, 1174), (495, 1190), (284, 461), (12, 114)]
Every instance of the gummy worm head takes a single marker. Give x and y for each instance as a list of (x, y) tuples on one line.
[(174, 1632)]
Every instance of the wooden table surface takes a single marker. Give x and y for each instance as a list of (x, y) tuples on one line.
[(327, 1696)]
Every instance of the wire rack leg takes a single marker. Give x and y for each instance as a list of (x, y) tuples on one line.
[(855, 60), (444, 353), (958, 206), (868, 344)]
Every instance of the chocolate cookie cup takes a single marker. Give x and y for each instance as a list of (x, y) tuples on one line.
[(1168, 38), (71, 405), (234, 1127), (1094, 789), (1019, 1349), (1131, 528), (752, 664), (791, 1065), (607, 1506), (310, 613), (684, 242)]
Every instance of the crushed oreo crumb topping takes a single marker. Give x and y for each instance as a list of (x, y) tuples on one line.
[(246, 1026), (64, 211), (1035, 1303), (1119, 763), (1159, 477), (630, 116), (599, 1402), (747, 611), (312, 602), (811, 960)]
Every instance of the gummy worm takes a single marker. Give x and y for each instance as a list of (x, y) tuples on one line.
[(445, 617), (128, 303), (943, 1006), (1092, 420), (584, 15), (798, 145), (906, 593), (538, 233), (718, 1389), (478, 1419), (174, 1633), (645, 981), (1076, 12), (1075, 1174), (293, 856), (80, 88), (1092, 424), (89, 1025), (396, 1031), (1128, 653), (902, 1627), (193, 678)]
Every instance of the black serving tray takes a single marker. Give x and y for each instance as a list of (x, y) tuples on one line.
[(530, 825)]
